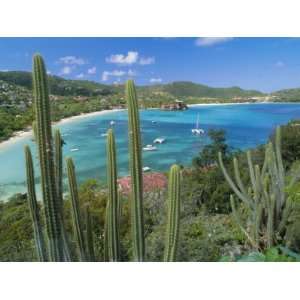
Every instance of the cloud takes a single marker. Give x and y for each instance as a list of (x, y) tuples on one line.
[(280, 64), (147, 61), (72, 60), (131, 58), (49, 72), (79, 76), (155, 80), (117, 73), (211, 41), (92, 70), (66, 70), (121, 59), (114, 73)]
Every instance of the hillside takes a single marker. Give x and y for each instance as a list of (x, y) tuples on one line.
[(289, 95), (64, 87)]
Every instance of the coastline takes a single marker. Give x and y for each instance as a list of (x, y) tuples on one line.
[(19, 135), (28, 132)]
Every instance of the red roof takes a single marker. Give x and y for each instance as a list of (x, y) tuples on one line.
[(151, 181)]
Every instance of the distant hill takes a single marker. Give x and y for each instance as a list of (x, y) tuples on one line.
[(64, 87), (288, 95)]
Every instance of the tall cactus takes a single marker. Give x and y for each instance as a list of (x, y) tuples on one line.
[(76, 215), (40, 245), (266, 198), (58, 143), (172, 231), (136, 205), (89, 235), (113, 242), (45, 150)]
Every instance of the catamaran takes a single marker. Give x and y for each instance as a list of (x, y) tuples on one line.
[(197, 130), (146, 169)]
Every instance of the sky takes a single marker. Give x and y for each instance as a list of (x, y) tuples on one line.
[(265, 64)]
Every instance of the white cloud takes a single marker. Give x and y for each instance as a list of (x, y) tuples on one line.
[(147, 61), (79, 76), (72, 60), (49, 72), (67, 70), (121, 59), (155, 80), (115, 73), (280, 64), (211, 41), (92, 70)]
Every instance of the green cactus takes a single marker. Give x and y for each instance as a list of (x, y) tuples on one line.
[(136, 204), (113, 242), (265, 199), (40, 244), (89, 235), (45, 150), (58, 143), (76, 215), (172, 231)]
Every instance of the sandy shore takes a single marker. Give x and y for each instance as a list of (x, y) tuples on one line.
[(28, 132)]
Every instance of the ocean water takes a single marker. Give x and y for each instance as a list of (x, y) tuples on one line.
[(246, 126)]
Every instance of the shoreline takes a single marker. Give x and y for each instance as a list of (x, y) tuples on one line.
[(19, 135)]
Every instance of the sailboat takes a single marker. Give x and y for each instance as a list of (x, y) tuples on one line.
[(197, 130)]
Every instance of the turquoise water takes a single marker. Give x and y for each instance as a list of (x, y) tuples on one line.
[(246, 126)]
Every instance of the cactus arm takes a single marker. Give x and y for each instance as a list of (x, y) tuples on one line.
[(137, 222), (113, 209), (40, 244), (89, 236), (244, 197), (75, 209), (238, 176), (59, 188), (239, 222), (252, 176), (44, 141), (173, 220), (281, 172)]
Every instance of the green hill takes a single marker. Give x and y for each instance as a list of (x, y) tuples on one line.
[(64, 87)]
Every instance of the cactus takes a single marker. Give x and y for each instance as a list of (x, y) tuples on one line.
[(172, 231), (34, 210), (265, 199), (58, 143), (136, 205), (45, 150), (113, 243), (89, 236), (76, 215)]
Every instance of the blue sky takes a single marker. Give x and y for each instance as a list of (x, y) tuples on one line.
[(266, 64)]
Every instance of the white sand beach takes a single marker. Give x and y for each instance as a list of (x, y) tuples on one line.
[(28, 132)]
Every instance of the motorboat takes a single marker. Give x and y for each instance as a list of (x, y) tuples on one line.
[(149, 148), (159, 140), (112, 123), (146, 169), (74, 149)]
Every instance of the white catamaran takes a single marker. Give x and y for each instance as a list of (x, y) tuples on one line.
[(197, 130)]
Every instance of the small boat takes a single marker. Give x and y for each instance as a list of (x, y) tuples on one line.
[(159, 140), (104, 134), (153, 122), (74, 149), (197, 130), (146, 169), (149, 148), (112, 123)]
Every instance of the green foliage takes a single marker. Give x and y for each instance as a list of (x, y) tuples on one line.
[(134, 138)]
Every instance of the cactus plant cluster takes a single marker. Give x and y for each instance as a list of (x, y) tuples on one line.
[(51, 165), (266, 198)]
